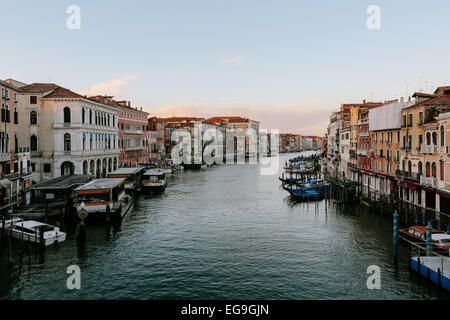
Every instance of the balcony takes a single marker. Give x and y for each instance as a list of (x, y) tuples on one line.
[(414, 176), (351, 165), (131, 131), (428, 148), (428, 181)]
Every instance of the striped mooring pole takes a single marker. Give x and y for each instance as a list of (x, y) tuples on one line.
[(417, 219), (429, 239), (395, 235)]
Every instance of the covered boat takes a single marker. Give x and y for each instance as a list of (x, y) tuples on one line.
[(103, 196), (154, 181)]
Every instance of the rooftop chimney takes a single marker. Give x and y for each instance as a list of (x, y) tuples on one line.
[(364, 101), (402, 99)]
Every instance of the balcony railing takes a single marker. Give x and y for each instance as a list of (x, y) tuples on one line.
[(428, 181), (414, 176), (428, 148), (351, 165)]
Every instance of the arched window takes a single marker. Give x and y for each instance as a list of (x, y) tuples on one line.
[(66, 142), (434, 138), (409, 166), (90, 116), (428, 138), (442, 136), (83, 114), (33, 143), (420, 167), (433, 169), (66, 115), (427, 169), (33, 117)]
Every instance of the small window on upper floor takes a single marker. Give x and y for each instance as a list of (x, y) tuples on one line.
[(33, 99)]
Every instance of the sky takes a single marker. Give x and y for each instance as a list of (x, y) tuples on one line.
[(287, 64)]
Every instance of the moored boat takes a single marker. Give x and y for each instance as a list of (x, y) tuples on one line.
[(34, 231), (103, 196), (154, 181), (133, 177), (418, 234)]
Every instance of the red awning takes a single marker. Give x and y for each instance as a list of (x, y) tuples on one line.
[(409, 185)]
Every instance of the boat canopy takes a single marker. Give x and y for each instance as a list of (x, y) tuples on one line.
[(154, 172), (101, 184), (124, 172)]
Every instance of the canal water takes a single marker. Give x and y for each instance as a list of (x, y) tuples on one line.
[(226, 232)]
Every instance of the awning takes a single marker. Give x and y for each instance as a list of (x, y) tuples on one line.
[(409, 185)]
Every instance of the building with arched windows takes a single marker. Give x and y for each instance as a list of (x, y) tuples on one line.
[(132, 135), (67, 133)]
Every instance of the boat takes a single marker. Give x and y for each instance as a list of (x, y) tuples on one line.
[(418, 234), (289, 180), (34, 231), (133, 177), (103, 197), (154, 181), (167, 170), (310, 190)]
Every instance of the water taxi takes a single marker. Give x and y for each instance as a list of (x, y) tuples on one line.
[(133, 177), (103, 196), (418, 234), (154, 181)]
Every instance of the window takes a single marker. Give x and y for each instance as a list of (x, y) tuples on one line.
[(66, 142), (398, 136), (410, 120), (420, 118), (442, 136), (83, 113), (33, 143), (33, 117), (16, 116), (8, 120), (33, 99), (3, 113), (66, 115), (90, 116), (47, 167)]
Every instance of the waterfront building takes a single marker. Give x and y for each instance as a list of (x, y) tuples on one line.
[(355, 110), (170, 125), (419, 158), (443, 151), (67, 132), (384, 125), (345, 174), (132, 125), (239, 127), (155, 140), (338, 120), (15, 163)]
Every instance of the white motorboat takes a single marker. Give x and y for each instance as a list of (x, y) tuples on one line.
[(31, 231)]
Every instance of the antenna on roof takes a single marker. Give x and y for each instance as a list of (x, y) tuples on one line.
[(49, 79)]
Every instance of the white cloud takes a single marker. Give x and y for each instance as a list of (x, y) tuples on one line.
[(112, 87), (231, 60)]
